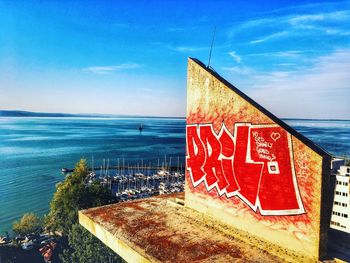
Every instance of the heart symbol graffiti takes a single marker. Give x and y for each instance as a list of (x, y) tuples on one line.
[(275, 136)]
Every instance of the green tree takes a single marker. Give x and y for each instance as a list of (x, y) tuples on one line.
[(86, 248), (73, 195), (29, 224)]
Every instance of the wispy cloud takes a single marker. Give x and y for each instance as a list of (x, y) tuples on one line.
[(269, 37), (110, 69), (287, 53), (343, 15), (324, 67), (301, 8), (291, 25), (285, 64), (179, 29), (327, 23), (240, 70), (295, 20), (305, 93), (189, 48), (235, 56)]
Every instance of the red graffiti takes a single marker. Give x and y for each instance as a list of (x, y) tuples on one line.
[(256, 165)]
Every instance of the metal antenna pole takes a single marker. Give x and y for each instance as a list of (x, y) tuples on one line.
[(211, 47)]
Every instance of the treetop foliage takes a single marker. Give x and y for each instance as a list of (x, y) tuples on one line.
[(73, 195), (29, 224)]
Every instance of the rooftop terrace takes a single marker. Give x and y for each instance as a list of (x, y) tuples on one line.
[(159, 229)]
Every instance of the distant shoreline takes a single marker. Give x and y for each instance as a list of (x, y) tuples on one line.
[(15, 113), (18, 113)]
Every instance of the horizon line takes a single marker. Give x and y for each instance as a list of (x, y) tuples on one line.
[(114, 115)]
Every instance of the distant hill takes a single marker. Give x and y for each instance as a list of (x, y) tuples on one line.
[(16, 113)]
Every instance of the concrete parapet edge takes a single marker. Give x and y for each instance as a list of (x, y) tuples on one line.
[(117, 245)]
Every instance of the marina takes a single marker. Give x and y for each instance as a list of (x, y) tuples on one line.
[(139, 185), (129, 182)]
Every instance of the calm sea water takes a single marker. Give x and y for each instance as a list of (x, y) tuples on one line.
[(33, 151)]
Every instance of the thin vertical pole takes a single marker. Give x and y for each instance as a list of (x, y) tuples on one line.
[(211, 47)]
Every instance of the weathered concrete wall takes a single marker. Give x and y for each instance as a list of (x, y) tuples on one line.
[(248, 169)]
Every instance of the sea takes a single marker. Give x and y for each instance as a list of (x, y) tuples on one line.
[(34, 150)]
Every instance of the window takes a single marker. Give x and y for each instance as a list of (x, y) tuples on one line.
[(335, 223)]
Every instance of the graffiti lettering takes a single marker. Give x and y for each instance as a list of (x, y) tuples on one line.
[(255, 165)]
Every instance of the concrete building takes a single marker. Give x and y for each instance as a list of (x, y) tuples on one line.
[(335, 165), (340, 219), (255, 189)]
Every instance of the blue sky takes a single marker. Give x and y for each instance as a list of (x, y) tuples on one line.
[(130, 57)]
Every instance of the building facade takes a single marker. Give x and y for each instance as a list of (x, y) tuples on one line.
[(248, 169), (340, 219)]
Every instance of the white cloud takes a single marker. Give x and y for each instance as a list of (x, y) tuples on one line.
[(189, 48), (287, 53), (240, 70), (110, 69), (269, 37), (286, 64), (235, 56), (296, 20), (327, 23), (290, 53), (257, 22), (322, 91), (179, 29), (311, 18)]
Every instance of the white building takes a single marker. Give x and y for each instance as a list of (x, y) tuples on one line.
[(340, 219)]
